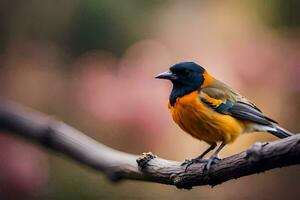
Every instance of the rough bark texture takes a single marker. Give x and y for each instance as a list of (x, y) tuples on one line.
[(118, 165)]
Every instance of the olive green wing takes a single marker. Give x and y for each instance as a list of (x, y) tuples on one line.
[(223, 99)]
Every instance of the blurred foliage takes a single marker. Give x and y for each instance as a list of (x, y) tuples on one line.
[(109, 25), (279, 13), (79, 25), (84, 25)]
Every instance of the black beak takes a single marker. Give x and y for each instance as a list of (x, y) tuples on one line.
[(166, 75)]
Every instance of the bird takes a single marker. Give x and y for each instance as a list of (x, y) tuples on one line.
[(211, 111)]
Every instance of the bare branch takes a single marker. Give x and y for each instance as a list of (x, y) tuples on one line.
[(118, 165)]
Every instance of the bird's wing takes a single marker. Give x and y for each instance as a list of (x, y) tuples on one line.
[(224, 100)]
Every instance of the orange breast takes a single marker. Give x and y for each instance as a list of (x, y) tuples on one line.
[(202, 122)]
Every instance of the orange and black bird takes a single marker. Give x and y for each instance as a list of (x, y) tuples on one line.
[(211, 111)]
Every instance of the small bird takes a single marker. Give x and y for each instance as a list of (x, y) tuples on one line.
[(211, 111)]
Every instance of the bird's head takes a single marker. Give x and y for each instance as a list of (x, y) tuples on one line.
[(184, 74), (186, 77)]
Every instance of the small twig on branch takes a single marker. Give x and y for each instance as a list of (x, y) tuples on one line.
[(118, 165)]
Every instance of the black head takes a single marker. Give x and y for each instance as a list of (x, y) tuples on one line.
[(185, 76)]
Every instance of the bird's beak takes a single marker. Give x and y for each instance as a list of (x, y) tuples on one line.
[(166, 75)]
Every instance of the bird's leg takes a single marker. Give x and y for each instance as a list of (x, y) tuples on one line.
[(212, 147), (199, 158), (214, 158)]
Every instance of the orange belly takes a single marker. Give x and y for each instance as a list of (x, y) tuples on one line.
[(202, 122)]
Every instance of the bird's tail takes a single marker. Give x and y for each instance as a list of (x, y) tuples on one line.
[(280, 132)]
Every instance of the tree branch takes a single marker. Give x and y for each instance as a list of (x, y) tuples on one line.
[(118, 165)]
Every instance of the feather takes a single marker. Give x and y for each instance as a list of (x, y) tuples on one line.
[(223, 99)]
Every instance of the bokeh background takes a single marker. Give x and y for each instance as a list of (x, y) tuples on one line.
[(91, 63)]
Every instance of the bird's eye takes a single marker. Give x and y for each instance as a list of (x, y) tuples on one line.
[(185, 72)]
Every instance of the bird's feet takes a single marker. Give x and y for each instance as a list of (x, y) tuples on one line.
[(187, 163), (212, 160)]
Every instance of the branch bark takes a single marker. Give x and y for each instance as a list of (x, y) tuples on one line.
[(117, 165)]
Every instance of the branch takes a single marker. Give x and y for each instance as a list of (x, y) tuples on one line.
[(118, 165)]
